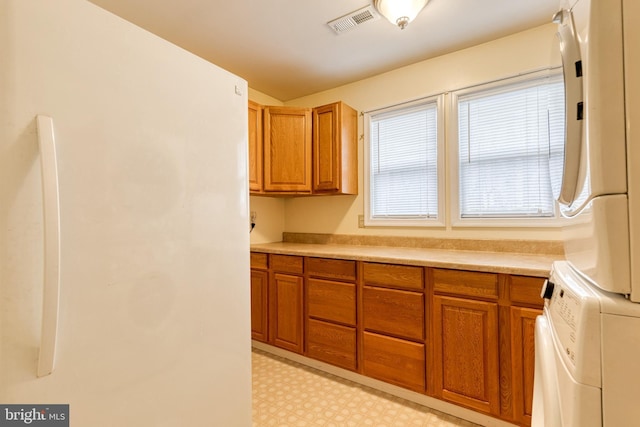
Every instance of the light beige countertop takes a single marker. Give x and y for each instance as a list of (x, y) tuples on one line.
[(526, 264)]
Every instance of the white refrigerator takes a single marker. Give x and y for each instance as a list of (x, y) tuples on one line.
[(149, 323)]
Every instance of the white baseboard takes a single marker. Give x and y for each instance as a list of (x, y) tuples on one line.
[(421, 399)]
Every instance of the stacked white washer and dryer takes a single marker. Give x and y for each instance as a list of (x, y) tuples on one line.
[(588, 339), (587, 371)]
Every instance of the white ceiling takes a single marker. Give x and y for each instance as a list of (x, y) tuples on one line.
[(285, 49)]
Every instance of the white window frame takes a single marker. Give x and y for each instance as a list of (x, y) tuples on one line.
[(440, 220), (453, 155)]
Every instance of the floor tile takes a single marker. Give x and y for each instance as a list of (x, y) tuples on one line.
[(288, 394)]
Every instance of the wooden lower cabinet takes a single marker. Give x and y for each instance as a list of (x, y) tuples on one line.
[(523, 361), (259, 305), (465, 360), (393, 324), (461, 336), (287, 312), (331, 343), (394, 360), (331, 316)]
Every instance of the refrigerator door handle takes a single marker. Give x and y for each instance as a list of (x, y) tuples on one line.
[(51, 208)]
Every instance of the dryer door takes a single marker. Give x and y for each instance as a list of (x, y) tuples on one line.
[(558, 399), (546, 401)]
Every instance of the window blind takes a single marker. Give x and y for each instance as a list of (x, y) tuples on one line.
[(403, 163), (506, 139)]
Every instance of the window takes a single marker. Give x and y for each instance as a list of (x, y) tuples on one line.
[(506, 137), (403, 152), (503, 142)]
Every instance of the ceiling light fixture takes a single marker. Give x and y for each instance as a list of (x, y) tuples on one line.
[(400, 12)]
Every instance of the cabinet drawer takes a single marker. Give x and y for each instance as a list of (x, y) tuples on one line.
[(526, 290), (331, 343), (393, 276), (286, 263), (394, 312), (466, 283), (259, 260), (333, 301), (394, 360), (332, 268)]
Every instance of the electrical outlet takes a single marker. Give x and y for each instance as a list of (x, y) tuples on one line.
[(253, 216), (360, 221)]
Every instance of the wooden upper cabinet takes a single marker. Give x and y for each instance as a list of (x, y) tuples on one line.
[(335, 151), (302, 150), (255, 147), (287, 150)]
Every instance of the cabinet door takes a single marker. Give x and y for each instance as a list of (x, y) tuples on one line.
[(259, 301), (335, 168), (255, 147), (522, 361), (287, 311), (466, 369), (287, 149)]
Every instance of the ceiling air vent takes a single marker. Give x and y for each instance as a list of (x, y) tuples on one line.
[(353, 19)]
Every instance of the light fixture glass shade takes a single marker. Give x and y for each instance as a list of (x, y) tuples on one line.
[(400, 12)]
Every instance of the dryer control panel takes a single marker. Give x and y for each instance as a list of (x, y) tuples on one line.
[(573, 309)]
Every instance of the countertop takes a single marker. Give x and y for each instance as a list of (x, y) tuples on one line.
[(526, 264)]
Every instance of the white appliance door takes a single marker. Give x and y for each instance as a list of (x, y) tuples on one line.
[(559, 400), (596, 243), (151, 141), (566, 166), (546, 402), (594, 161)]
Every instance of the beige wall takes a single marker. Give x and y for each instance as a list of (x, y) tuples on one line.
[(516, 54), (270, 217), (262, 98)]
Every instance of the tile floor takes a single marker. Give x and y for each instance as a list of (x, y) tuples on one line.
[(288, 394)]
